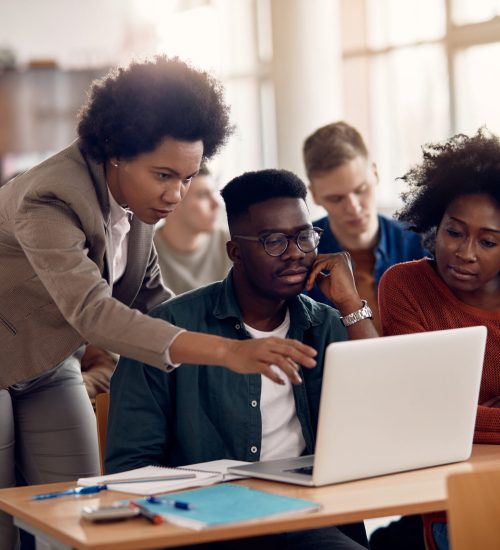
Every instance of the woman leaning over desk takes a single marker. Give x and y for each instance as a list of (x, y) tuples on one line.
[(453, 199), (78, 265)]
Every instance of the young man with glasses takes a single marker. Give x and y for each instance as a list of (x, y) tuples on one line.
[(199, 414)]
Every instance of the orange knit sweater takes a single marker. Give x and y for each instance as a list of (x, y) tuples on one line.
[(413, 298)]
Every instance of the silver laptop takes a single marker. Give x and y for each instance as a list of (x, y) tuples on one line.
[(388, 405)]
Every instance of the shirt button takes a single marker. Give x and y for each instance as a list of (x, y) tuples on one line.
[(253, 449), (237, 326), (253, 403)]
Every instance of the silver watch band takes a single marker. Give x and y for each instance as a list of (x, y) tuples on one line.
[(363, 313)]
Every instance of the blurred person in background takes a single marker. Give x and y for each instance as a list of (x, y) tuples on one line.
[(191, 246), (343, 180), (97, 366)]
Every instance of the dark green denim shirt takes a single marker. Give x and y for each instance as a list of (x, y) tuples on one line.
[(198, 412)]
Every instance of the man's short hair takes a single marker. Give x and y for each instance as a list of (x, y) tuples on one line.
[(253, 187), (331, 146)]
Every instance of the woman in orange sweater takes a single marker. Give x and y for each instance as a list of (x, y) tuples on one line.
[(454, 202)]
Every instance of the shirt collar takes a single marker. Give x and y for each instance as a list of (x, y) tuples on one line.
[(117, 212), (303, 310)]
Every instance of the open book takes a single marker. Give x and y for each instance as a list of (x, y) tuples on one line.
[(152, 480)]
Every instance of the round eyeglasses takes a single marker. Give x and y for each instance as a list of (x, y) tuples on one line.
[(276, 244)]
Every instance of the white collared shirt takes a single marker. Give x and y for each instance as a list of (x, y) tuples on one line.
[(120, 229)]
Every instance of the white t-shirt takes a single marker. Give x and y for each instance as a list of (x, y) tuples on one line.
[(281, 430)]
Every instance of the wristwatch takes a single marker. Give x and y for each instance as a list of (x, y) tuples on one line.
[(363, 313)]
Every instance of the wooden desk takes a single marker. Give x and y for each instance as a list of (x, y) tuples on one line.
[(57, 522)]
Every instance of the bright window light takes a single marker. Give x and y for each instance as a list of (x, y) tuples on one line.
[(478, 88), (474, 11), (396, 22)]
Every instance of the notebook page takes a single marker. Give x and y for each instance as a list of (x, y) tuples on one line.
[(153, 473), (164, 486), (160, 480)]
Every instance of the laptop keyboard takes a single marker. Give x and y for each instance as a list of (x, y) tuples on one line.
[(305, 470)]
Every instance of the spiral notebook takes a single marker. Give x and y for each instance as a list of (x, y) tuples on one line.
[(151, 480)]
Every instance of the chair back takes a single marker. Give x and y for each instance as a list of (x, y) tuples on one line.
[(474, 509), (101, 412)]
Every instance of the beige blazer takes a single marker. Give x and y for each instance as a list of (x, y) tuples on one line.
[(56, 271)]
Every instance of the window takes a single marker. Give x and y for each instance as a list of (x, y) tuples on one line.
[(233, 41), (418, 71), (474, 11), (478, 87)]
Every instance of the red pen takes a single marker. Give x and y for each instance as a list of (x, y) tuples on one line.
[(156, 519)]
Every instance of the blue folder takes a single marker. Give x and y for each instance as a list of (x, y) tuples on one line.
[(227, 503)]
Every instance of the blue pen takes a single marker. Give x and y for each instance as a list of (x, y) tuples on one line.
[(175, 503), (76, 491)]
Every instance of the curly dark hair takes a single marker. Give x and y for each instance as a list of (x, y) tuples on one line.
[(463, 165), (131, 110), (253, 187)]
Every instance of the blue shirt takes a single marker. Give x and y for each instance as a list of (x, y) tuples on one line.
[(395, 244), (198, 412)]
